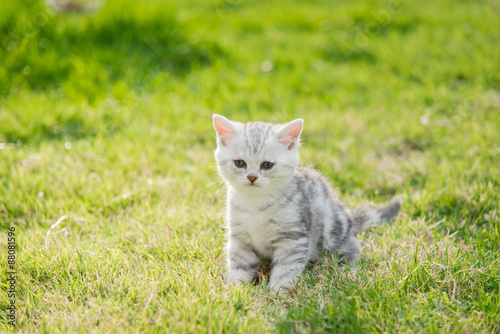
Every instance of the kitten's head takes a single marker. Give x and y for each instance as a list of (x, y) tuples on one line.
[(257, 158)]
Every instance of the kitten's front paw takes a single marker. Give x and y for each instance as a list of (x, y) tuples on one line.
[(280, 286), (282, 290), (239, 276)]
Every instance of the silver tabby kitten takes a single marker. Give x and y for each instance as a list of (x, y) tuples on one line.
[(280, 211)]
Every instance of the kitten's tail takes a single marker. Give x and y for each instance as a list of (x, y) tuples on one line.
[(365, 216)]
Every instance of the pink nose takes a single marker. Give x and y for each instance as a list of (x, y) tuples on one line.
[(252, 178)]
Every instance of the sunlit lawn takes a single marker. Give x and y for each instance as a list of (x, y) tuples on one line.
[(105, 117)]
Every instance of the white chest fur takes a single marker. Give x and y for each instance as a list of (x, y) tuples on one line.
[(256, 228)]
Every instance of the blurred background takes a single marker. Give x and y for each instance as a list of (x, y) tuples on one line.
[(397, 96)]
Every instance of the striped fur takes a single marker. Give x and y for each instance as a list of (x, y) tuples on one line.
[(287, 214)]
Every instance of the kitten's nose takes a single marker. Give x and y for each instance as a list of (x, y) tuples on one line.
[(252, 178)]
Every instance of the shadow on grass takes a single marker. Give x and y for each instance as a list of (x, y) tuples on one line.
[(122, 47), (124, 40)]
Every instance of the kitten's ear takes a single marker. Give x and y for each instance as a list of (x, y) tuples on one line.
[(290, 134), (225, 129)]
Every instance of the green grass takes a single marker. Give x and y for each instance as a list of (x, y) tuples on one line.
[(106, 117)]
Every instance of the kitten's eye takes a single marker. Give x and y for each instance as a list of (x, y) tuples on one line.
[(266, 165), (240, 163)]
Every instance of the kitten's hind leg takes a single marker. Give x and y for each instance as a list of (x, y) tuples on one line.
[(349, 250), (243, 262)]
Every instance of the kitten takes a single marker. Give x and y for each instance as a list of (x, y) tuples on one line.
[(280, 211)]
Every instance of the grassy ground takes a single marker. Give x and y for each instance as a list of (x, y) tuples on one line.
[(105, 117)]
